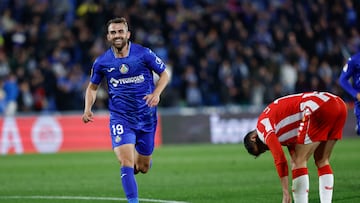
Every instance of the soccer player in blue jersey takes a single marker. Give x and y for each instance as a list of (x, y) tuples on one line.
[(351, 70), (133, 98)]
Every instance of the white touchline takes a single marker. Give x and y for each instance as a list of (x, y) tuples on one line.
[(86, 198)]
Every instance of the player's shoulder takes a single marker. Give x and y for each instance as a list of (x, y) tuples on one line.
[(104, 57), (140, 49), (354, 58), (137, 46)]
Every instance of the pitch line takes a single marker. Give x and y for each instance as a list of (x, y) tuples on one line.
[(87, 198)]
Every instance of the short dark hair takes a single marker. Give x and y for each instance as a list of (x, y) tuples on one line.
[(249, 144), (256, 147), (117, 20)]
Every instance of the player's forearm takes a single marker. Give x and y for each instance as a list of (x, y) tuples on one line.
[(90, 97), (285, 183), (282, 169), (278, 154), (162, 82), (285, 188)]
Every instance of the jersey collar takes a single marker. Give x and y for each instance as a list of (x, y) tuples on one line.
[(128, 53)]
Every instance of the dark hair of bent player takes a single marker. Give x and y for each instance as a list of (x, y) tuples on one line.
[(253, 144)]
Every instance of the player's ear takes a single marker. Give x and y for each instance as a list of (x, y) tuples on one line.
[(261, 147), (250, 142), (108, 37), (253, 136)]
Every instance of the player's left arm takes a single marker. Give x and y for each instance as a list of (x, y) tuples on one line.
[(153, 99), (158, 66)]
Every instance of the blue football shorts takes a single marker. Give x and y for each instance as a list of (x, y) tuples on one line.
[(142, 136)]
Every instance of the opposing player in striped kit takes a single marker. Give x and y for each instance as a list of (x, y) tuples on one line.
[(308, 124)]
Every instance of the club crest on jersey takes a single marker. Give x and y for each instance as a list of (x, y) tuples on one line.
[(124, 68), (117, 139)]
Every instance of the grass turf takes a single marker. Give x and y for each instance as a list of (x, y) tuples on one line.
[(189, 173)]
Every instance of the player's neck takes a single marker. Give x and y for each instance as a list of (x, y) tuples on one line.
[(123, 52)]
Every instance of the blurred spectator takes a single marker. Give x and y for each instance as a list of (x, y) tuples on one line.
[(4, 64), (25, 100), (2, 97), (288, 76), (229, 89), (11, 91), (38, 90), (70, 89), (192, 90)]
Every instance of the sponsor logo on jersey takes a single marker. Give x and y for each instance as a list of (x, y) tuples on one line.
[(123, 68), (123, 81)]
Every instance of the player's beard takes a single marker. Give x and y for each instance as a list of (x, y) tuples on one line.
[(120, 46)]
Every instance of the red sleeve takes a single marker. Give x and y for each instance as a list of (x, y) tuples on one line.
[(278, 154)]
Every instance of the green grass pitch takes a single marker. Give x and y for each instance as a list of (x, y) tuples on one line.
[(200, 173)]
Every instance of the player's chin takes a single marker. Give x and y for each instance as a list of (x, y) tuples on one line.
[(119, 44)]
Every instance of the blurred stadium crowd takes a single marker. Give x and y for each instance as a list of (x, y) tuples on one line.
[(235, 52)]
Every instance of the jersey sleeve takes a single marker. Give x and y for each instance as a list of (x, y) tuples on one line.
[(154, 62), (278, 154), (96, 75), (345, 75), (266, 133)]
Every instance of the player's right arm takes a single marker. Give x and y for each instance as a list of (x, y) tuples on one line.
[(90, 97), (280, 164), (286, 194), (266, 133), (91, 90)]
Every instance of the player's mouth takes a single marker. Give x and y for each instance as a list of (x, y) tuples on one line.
[(118, 41)]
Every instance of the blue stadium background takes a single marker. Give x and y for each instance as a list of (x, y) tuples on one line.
[(221, 53)]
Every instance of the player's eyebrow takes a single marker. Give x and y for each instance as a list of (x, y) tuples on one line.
[(117, 30)]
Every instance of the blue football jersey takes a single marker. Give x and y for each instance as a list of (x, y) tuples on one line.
[(351, 70), (129, 79)]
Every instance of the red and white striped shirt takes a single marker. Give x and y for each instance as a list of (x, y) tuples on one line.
[(278, 125)]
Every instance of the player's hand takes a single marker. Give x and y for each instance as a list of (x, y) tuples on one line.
[(358, 96), (87, 117), (287, 198), (285, 189), (152, 100)]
